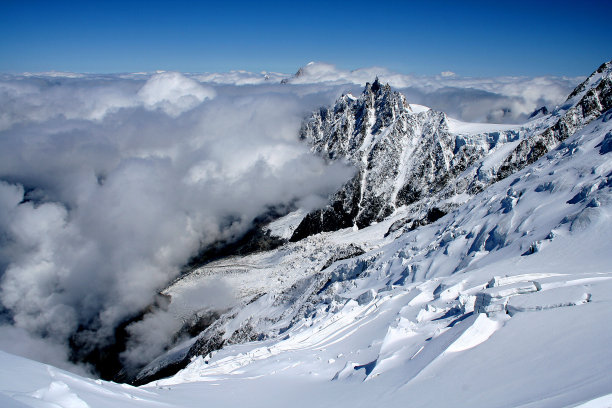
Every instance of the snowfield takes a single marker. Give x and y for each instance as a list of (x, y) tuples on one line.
[(502, 297), (504, 302)]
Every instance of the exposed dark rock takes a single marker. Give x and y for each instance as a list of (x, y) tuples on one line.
[(595, 101), (397, 225), (255, 239), (434, 214), (350, 251), (339, 214), (197, 324), (606, 145), (211, 339), (408, 195), (539, 112)]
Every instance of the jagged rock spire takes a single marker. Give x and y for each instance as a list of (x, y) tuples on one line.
[(378, 133), (376, 85)]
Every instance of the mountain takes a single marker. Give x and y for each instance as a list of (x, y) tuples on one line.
[(404, 153), (586, 103), (446, 165), (464, 264), (409, 154)]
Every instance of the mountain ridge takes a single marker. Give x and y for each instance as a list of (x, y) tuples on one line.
[(403, 152), (315, 279), (383, 147)]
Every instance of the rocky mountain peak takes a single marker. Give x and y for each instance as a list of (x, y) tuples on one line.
[(400, 155), (377, 90), (405, 156), (376, 87), (604, 71)]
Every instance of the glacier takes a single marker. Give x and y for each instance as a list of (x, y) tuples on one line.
[(502, 298)]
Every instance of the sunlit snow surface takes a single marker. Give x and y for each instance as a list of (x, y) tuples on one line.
[(505, 302)]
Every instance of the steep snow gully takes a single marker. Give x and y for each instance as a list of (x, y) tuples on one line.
[(463, 265)]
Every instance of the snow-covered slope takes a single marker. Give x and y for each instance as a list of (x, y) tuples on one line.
[(275, 288), (504, 301)]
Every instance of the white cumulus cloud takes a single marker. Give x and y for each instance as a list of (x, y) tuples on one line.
[(173, 93), (108, 185)]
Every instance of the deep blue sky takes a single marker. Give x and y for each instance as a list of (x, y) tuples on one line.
[(470, 38)]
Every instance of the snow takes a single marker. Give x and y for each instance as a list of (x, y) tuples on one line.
[(284, 227), (459, 127), (504, 302), (27, 383), (418, 108), (479, 332)]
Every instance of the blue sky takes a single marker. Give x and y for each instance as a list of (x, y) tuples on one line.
[(470, 38)]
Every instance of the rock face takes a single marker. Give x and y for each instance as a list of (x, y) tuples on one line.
[(407, 153), (586, 103), (403, 153), (539, 112)]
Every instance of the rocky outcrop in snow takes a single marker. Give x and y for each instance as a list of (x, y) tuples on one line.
[(412, 155), (586, 103), (403, 153)]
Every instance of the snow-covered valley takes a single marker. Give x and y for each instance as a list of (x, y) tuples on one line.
[(504, 299)]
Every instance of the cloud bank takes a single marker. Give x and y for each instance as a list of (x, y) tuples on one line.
[(494, 100), (110, 183)]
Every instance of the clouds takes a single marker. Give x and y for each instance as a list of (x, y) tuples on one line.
[(496, 100), (109, 185), (173, 93), (42, 97)]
